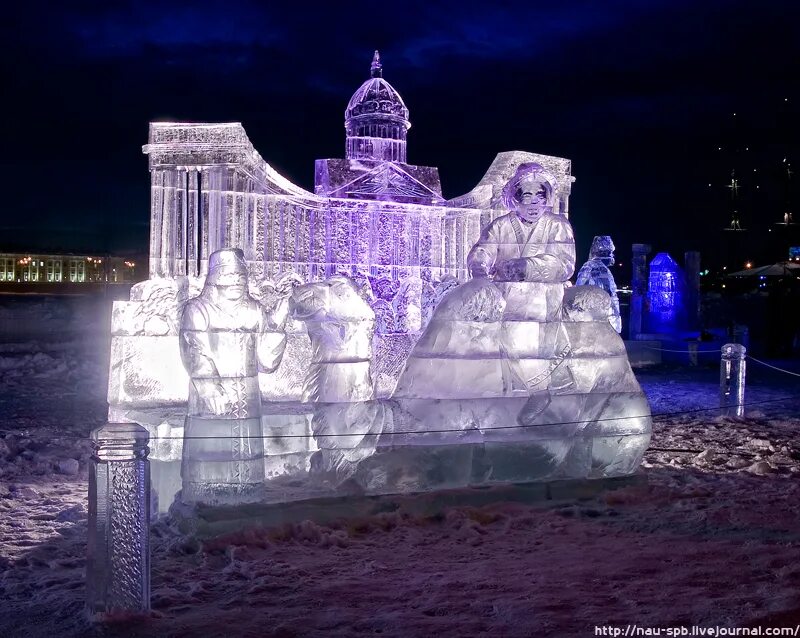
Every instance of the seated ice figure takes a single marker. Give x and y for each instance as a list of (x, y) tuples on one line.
[(226, 337), (500, 335), (596, 272), (520, 362)]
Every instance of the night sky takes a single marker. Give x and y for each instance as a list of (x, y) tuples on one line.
[(639, 95)]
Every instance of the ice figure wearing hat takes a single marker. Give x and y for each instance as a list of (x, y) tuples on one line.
[(501, 334), (529, 254), (226, 338)]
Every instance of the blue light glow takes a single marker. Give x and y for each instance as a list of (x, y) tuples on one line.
[(665, 294)]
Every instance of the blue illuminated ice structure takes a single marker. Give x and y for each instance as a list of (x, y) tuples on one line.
[(665, 295), (427, 343)]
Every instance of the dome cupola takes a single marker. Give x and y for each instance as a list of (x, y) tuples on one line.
[(376, 120)]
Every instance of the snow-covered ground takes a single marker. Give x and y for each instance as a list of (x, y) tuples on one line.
[(712, 538)]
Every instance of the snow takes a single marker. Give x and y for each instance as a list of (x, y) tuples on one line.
[(711, 538)]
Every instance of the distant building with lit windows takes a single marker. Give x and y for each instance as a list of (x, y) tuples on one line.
[(26, 269)]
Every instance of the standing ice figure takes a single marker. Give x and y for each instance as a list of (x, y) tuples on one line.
[(341, 326), (529, 253), (226, 337), (596, 272)]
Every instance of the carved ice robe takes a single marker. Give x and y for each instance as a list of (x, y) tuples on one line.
[(498, 338), (223, 346)]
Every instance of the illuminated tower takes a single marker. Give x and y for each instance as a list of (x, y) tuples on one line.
[(734, 204)]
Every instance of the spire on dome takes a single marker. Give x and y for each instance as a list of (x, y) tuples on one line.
[(376, 68)]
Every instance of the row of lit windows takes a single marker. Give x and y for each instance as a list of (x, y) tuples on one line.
[(39, 270), (79, 270)]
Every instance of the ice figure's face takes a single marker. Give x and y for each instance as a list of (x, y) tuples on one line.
[(607, 258), (231, 285), (603, 249), (531, 198)]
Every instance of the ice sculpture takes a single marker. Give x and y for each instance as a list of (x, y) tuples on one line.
[(339, 381), (431, 342), (118, 548), (340, 324), (665, 292), (226, 337), (596, 272)]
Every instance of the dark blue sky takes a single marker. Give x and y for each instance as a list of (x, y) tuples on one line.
[(638, 94)]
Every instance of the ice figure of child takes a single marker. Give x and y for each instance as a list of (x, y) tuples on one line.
[(596, 272), (226, 338)]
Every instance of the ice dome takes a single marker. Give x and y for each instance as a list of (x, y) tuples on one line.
[(376, 120)]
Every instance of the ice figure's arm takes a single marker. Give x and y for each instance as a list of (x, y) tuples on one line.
[(586, 276), (307, 300), (595, 273), (555, 262), (271, 339), (481, 259), (275, 319), (195, 349)]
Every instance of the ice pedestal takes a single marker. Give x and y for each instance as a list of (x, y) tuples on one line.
[(118, 561), (390, 446), (579, 436)]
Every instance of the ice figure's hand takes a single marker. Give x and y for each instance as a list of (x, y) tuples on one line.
[(478, 270), (511, 270), (285, 286), (217, 400)]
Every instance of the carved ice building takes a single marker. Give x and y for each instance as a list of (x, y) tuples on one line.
[(370, 213), (372, 216)]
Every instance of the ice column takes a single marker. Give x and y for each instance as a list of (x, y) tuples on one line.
[(118, 561), (691, 269), (732, 379), (639, 287)]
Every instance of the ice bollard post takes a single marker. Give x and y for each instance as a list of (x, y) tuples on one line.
[(732, 379), (118, 560)]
